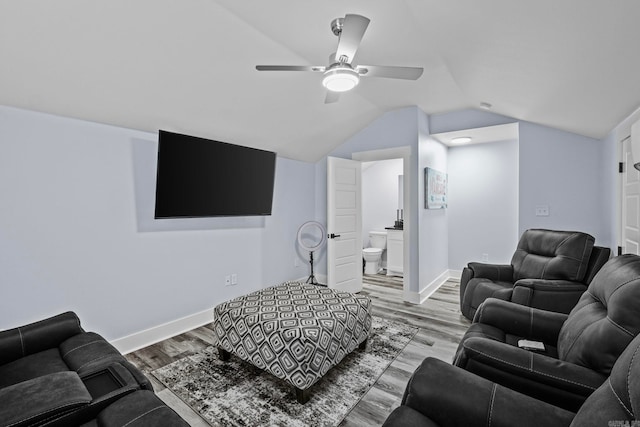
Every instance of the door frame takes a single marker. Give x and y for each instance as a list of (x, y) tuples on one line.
[(403, 153), (622, 133), (621, 217)]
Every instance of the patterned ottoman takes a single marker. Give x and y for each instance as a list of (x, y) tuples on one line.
[(295, 331)]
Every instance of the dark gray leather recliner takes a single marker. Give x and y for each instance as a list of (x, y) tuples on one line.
[(439, 394), (57, 344), (581, 347), (549, 270), (54, 373), (138, 409)]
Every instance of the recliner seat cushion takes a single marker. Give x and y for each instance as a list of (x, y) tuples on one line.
[(548, 254), (606, 318), (32, 366), (481, 330), (82, 353)]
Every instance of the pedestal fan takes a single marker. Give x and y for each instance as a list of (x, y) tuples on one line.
[(311, 237)]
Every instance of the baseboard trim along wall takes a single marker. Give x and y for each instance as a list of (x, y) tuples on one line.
[(145, 338), (427, 291), (159, 333)]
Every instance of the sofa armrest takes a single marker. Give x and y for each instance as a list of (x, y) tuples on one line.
[(50, 396), (564, 384), (142, 407), (553, 295), (450, 396), (495, 272), (35, 337), (516, 319)]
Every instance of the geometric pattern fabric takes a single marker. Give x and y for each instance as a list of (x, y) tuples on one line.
[(295, 331)]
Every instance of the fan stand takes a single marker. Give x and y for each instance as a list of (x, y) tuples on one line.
[(312, 278), (312, 248)]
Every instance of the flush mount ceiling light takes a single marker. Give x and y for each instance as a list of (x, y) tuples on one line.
[(461, 140), (340, 78)]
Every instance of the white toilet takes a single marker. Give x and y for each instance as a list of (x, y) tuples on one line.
[(373, 255)]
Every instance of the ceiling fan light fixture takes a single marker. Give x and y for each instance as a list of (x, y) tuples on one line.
[(340, 79)]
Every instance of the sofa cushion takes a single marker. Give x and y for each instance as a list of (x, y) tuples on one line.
[(550, 254), (605, 318), (32, 366), (37, 400), (482, 330)]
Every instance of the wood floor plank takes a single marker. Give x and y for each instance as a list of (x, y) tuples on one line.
[(440, 323)]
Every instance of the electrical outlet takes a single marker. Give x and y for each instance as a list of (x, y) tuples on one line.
[(296, 262), (227, 280), (234, 279), (542, 210), (485, 257)]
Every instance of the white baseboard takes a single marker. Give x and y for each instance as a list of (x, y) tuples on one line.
[(142, 339), (427, 291)]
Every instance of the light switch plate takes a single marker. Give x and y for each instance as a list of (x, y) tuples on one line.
[(542, 210)]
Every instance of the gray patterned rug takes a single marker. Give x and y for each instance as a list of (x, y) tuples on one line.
[(236, 393)]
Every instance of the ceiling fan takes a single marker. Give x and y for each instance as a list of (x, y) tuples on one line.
[(340, 75)]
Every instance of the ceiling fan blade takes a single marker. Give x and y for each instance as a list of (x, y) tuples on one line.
[(407, 73), (353, 29), (331, 97), (290, 68)]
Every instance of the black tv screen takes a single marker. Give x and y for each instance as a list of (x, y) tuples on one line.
[(199, 177)]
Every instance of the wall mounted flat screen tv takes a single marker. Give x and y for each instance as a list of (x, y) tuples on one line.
[(198, 177)]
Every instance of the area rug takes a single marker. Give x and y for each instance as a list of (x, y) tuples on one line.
[(236, 393)]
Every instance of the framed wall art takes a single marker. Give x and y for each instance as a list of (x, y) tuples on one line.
[(435, 189)]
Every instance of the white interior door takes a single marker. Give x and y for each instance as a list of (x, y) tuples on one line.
[(630, 211), (344, 224)]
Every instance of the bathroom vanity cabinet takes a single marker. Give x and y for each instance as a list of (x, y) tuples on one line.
[(395, 256)]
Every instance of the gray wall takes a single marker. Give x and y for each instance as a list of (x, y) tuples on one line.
[(564, 171), (569, 173), (434, 223), (69, 237), (483, 209)]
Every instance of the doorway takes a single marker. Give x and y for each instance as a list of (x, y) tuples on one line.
[(629, 201), (403, 154)]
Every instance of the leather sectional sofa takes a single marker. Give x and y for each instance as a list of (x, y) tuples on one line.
[(580, 348), (439, 394), (54, 373), (588, 373)]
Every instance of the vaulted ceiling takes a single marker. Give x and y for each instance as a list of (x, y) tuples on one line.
[(189, 65)]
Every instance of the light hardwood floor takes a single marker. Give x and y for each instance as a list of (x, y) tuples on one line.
[(440, 328)]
